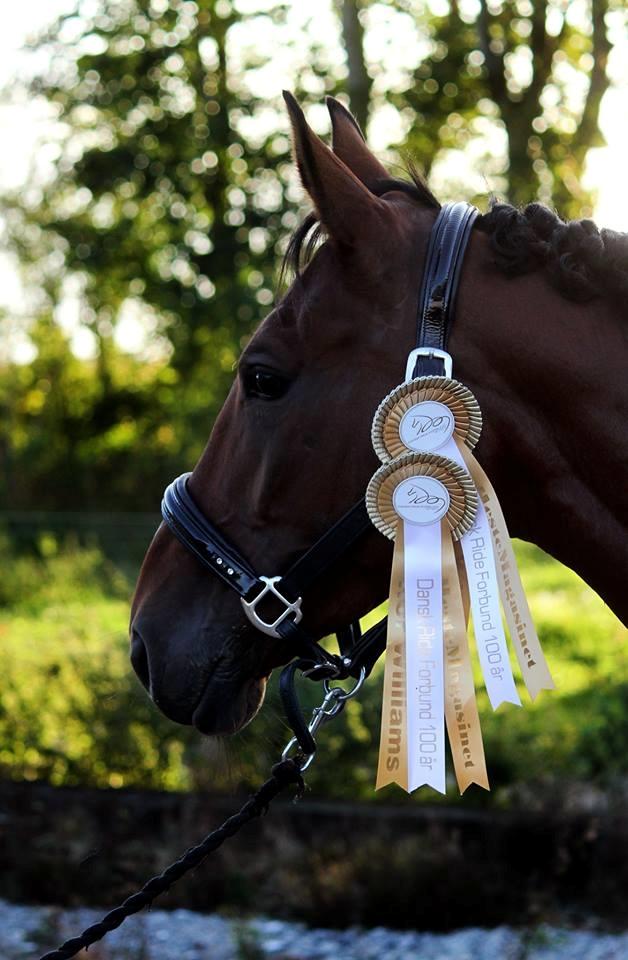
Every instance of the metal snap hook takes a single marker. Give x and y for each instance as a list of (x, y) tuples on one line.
[(333, 704)]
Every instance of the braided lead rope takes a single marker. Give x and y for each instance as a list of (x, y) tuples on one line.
[(282, 775)]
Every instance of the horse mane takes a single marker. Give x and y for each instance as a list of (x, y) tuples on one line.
[(579, 259)]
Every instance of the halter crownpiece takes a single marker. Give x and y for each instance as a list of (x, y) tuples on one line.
[(445, 254), (452, 552)]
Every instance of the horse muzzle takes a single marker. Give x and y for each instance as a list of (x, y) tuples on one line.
[(217, 695)]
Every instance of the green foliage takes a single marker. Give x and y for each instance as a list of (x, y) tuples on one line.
[(168, 204), (71, 710), (510, 67), (71, 440), (170, 194), (33, 584)]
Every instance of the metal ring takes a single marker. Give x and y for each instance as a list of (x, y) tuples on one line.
[(306, 759), (343, 695)]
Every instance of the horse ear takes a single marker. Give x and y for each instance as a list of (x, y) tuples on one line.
[(349, 144), (344, 205)]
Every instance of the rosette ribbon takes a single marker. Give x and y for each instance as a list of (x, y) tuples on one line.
[(452, 556)]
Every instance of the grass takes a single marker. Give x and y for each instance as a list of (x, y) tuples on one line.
[(72, 712)]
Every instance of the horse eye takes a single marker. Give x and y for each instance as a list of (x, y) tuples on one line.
[(264, 383)]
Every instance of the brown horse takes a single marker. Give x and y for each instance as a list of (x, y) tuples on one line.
[(540, 339)]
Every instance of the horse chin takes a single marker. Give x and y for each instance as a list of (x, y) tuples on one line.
[(225, 707)]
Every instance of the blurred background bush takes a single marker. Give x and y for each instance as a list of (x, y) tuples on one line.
[(147, 230)]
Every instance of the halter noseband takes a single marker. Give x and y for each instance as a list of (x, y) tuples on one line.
[(447, 245)]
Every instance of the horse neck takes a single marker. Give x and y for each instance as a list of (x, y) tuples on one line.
[(550, 376)]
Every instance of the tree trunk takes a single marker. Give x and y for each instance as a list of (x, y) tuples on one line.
[(358, 83), (519, 115)]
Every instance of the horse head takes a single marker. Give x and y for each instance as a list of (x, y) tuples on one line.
[(291, 451)]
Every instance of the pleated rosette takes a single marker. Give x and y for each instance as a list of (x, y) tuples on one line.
[(394, 416), (459, 492)]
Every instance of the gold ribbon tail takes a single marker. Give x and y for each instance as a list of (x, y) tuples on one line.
[(463, 582), (534, 668), (461, 709), (392, 766)]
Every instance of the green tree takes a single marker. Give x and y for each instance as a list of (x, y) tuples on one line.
[(148, 202), (167, 200), (358, 82), (507, 64), (71, 438), (171, 193)]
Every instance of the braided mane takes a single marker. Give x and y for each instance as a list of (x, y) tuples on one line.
[(580, 260)]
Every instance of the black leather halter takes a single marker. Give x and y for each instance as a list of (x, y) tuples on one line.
[(448, 241)]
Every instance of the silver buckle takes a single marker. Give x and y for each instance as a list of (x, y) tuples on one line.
[(291, 607), (430, 352)]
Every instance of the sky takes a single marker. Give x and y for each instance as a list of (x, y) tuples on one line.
[(21, 126)]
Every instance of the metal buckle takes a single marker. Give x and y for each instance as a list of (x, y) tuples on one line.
[(270, 629), (432, 353)]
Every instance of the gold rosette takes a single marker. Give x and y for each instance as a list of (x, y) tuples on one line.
[(465, 409), (463, 499)]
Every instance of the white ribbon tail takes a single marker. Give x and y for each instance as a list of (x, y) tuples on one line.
[(490, 638), (424, 656), (534, 669)]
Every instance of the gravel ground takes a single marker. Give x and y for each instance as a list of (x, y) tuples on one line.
[(25, 932)]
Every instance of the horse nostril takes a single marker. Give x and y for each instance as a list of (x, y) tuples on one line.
[(139, 658)]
